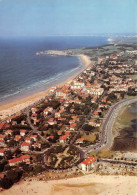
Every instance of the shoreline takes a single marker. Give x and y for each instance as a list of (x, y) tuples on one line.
[(87, 184), (15, 106)]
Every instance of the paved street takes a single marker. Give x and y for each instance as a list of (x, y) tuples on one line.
[(106, 133)]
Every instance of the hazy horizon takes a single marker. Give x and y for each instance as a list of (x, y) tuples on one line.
[(33, 18)]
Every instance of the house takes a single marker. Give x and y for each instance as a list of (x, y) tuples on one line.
[(26, 159), (14, 122), (50, 137), (36, 145), (35, 121), (23, 122), (17, 138), (34, 109), (34, 137), (2, 137), (60, 132), (88, 163), (16, 161), (66, 104), (101, 59), (22, 132), (7, 126), (2, 176), (57, 114), (92, 122), (28, 140), (8, 132), (77, 85), (25, 146), (2, 124), (62, 92), (64, 138), (80, 141), (2, 143), (73, 126), (48, 110), (51, 121), (2, 151)]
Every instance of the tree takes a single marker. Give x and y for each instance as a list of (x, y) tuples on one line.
[(14, 175), (38, 169), (12, 143), (2, 165), (8, 154), (6, 183), (88, 127)]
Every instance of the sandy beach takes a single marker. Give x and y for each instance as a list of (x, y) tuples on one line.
[(88, 185), (17, 105)]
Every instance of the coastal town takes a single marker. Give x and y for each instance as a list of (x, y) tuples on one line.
[(69, 131)]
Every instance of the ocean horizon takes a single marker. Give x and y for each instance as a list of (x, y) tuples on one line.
[(22, 73)]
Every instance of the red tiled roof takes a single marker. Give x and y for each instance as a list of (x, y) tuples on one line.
[(80, 139), (2, 150), (2, 136), (73, 125), (2, 125), (22, 130), (17, 137), (21, 158), (89, 160), (15, 160), (1, 175), (25, 144)]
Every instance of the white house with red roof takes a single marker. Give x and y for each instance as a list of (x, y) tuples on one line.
[(2, 176), (25, 146), (2, 142), (16, 161), (64, 138), (48, 110), (36, 145), (22, 132), (80, 141), (34, 109), (28, 140), (2, 124), (2, 151), (14, 122), (62, 92), (23, 122), (73, 126), (51, 121), (17, 138), (34, 137), (8, 132), (2, 137), (89, 163), (57, 114)]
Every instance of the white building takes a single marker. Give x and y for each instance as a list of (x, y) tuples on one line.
[(89, 163)]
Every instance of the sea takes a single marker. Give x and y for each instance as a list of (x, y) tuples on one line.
[(22, 73)]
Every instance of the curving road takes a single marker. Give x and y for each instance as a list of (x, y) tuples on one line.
[(106, 133)]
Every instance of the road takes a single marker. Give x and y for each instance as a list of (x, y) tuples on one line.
[(106, 133)]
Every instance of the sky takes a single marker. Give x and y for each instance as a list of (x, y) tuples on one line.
[(67, 17)]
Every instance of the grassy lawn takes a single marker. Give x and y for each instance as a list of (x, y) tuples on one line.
[(90, 137), (104, 153)]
